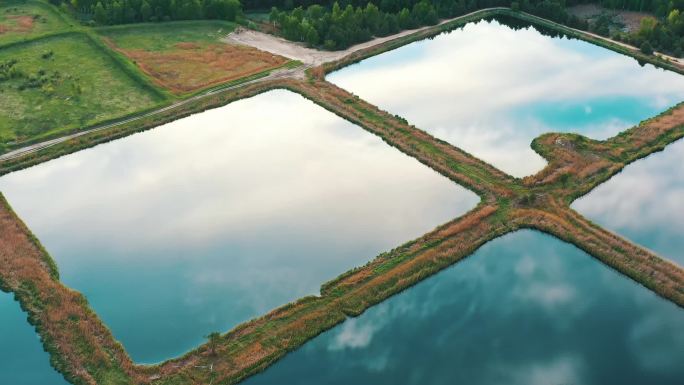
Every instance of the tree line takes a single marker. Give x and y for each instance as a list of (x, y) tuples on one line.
[(338, 24), (339, 27), (134, 11)]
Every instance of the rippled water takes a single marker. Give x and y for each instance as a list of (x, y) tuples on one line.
[(214, 219), (490, 89), (524, 309), (22, 359), (645, 203)]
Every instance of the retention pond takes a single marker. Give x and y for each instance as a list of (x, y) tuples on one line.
[(217, 218), (22, 359), (524, 309), (491, 87)]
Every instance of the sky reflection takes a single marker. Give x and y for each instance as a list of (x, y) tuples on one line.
[(22, 359), (645, 202), (216, 218), (524, 309), (490, 90)]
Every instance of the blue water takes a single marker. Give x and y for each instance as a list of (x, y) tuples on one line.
[(22, 359), (645, 203), (524, 309), (212, 220), (490, 90)]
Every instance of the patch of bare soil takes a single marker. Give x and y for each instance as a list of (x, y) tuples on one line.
[(630, 19), (297, 51), (279, 46)]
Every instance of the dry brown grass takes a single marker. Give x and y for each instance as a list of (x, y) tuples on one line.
[(190, 66), (54, 307)]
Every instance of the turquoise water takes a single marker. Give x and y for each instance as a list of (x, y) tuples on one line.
[(214, 219), (22, 359), (524, 309), (645, 203), (490, 89)]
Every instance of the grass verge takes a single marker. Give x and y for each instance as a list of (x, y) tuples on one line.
[(60, 83)]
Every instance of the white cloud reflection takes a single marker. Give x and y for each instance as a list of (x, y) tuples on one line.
[(644, 202), (485, 89), (479, 329), (221, 216)]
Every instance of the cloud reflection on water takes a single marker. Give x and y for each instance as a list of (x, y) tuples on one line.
[(645, 202), (219, 217), (470, 324), (22, 358), (490, 90)]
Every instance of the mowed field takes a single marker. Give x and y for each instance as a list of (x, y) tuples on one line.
[(62, 83), (188, 56), (21, 20)]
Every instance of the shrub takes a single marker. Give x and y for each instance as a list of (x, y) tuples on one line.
[(646, 48)]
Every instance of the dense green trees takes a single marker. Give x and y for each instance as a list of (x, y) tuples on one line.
[(131, 11), (336, 25), (339, 26)]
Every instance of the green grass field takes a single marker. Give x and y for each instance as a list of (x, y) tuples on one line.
[(21, 20), (62, 83), (162, 37)]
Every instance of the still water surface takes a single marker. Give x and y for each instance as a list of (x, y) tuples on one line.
[(490, 89), (524, 309), (645, 203), (22, 359), (214, 219)]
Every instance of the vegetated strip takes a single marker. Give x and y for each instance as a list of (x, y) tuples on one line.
[(456, 164), (80, 346), (657, 274), (36, 38), (577, 164)]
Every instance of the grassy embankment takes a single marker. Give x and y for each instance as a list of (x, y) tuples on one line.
[(84, 349)]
